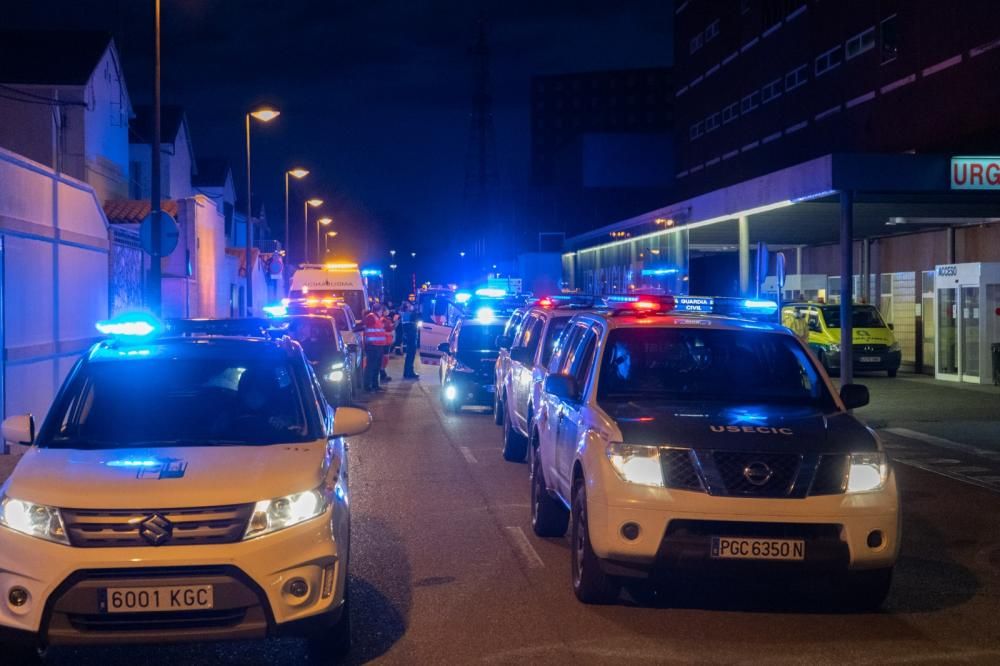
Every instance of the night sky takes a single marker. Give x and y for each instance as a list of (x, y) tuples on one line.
[(375, 95)]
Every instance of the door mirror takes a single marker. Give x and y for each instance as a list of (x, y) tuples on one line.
[(522, 355), (19, 429), (892, 327), (504, 341), (563, 387), (350, 421), (444, 348), (854, 395)]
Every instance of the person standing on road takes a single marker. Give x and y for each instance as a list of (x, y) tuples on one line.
[(408, 325), (375, 343), (389, 321)]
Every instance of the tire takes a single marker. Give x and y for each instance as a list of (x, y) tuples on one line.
[(331, 645), (515, 445), (891, 373), (498, 409), (590, 584), (865, 591), (549, 518)]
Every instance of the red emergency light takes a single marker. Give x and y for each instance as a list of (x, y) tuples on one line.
[(545, 302)]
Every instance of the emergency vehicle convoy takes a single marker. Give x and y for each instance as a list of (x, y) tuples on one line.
[(668, 437), (221, 513)]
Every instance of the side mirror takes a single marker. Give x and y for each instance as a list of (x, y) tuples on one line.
[(563, 387), (522, 355), (350, 421), (854, 395), (504, 341), (444, 348), (892, 327), (19, 429)]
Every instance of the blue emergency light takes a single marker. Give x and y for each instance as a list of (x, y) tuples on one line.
[(131, 326), (491, 292), (276, 310), (485, 315), (462, 297)]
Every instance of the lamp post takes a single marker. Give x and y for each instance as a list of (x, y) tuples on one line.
[(299, 173), (264, 115), (323, 221), (326, 241), (305, 226)]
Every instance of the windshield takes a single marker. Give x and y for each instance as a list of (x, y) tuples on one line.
[(862, 316), (556, 327), (340, 317), (179, 402), (681, 364), (479, 338)]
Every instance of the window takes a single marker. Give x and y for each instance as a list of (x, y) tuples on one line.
[(581, 358), (797, 77), (479, 338), (556, 327), (525, 332), (712, 31), (696, 130), (712, 123), (828, 60), (750, 102), (696, 43), (731, 113), (566, 342), (890, 39), (771, 91), (859, 43)]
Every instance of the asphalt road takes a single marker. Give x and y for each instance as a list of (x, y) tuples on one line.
[(445, 570)]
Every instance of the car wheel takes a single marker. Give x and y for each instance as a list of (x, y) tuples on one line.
[(865, 590), (891, 373), (330, 644), (549, 518), (515, 445), (590, 584), (498, 409)]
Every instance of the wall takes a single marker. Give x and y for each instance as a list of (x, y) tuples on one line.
[(105, 147), (55, 279), (28, 129)]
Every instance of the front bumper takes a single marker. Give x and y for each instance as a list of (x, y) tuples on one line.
[(676, 528), (250, 581), (473, 390), (869, 361)]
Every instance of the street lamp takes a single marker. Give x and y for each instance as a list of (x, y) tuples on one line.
[(325, 221), (264, 115), (299, 173), (305, 226), (326, 240)]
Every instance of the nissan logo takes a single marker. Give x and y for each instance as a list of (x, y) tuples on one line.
[(757, 473), (156, 530)]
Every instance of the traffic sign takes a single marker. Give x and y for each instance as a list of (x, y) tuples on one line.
[(170, 233)]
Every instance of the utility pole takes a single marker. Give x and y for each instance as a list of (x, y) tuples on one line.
[(153, 298), (480, 161)]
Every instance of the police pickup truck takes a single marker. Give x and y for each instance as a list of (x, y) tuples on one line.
[(688, 441)]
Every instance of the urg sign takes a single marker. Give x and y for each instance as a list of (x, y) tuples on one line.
[(975, 173)]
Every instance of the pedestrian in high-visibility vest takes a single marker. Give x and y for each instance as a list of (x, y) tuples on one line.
[(389, 320), (376, 341)]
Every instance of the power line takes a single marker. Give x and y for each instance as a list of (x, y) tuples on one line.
[(37, 99)]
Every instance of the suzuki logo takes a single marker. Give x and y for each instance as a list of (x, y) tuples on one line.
[(757, 473), (156, 530)]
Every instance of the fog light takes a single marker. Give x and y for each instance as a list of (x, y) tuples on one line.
[(875, 539), (630, 531), (298, 588), (18, 596)]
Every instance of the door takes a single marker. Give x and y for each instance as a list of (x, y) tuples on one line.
[(521, 374), (947, 333), (571, 417), (968, 352)]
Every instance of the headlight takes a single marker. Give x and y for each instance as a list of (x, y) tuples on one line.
[(894, 347), (869, 472), (833, 348), (636, 464), (336, 373), (35, 520), (279, 513)]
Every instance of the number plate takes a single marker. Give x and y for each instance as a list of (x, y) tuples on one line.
[(870, 359), (153, 599), (737, 548)]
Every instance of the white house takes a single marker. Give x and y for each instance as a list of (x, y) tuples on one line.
[(177, 162), (65, 105)]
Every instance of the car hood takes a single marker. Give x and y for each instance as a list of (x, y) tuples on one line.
[(750, 427), (175, 477)]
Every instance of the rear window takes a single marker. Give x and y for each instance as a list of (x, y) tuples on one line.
[(479, 338)]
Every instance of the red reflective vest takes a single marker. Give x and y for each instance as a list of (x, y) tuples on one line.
[(375, 330)]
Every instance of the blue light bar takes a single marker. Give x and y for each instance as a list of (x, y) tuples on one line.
[(276, 310), (132, 325), (462, 297), (621, 299), (132, 462), (372, 272), (491, 292), (660, 271), (695, 304), (485, 315), (762, 306)]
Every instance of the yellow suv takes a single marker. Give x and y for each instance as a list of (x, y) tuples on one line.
[(875, 347)]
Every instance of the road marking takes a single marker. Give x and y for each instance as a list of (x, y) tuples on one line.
[(528, 552), (943, 461), (943, 471), (944, 443), (968, 469), (467, 452)]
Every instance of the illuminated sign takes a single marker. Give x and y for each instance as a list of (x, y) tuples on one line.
[(694, 304), (975, 173)]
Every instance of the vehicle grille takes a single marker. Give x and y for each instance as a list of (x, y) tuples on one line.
[(831, 475), (157, 621), (679, 469), (871, 349), (687, 527), (731, 465), (114, 528)]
